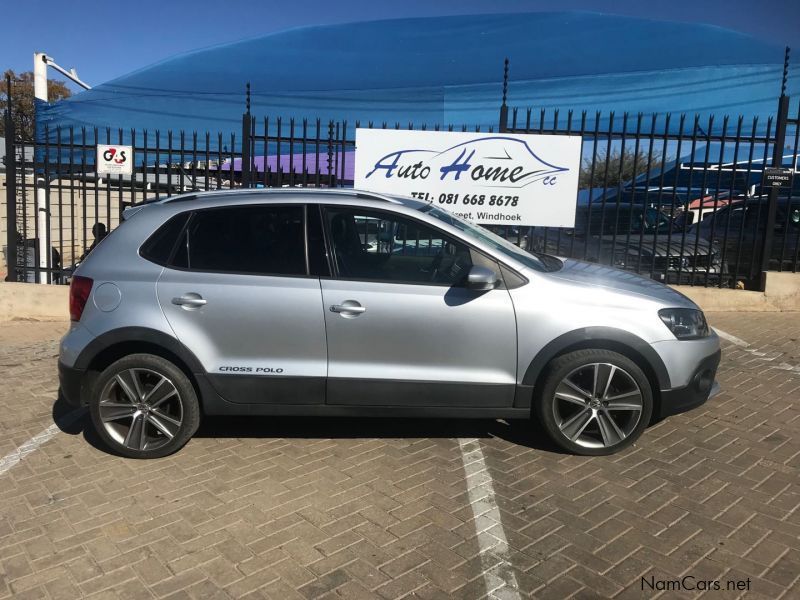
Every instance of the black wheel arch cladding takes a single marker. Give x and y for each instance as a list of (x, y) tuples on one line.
[(131, 335), (606, 337)]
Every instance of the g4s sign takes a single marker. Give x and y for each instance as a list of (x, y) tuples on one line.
[(114, 160)]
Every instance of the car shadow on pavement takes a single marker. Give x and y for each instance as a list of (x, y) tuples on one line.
[(77, 421), (69, 419), (523, 432)]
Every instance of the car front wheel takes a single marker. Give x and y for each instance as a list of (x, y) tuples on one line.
[(143, 406), (594, 402)]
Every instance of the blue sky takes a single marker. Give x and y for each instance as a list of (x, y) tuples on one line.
[(106, 39)]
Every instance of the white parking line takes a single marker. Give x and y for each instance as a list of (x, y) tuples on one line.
[(759, 355), (731, 338), (15, 456), (498, 573)]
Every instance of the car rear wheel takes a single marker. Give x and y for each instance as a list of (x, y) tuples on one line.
[(594, 402), (143, 406)]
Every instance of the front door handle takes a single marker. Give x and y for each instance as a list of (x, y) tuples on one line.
[(349, 308), (190, 300)]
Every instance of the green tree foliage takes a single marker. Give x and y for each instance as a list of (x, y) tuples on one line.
[(22, 101), (633, 165)]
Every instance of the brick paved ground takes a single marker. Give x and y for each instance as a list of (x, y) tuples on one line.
[(293, 508)]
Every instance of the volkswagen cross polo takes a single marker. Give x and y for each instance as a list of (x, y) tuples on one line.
[(348, 303)]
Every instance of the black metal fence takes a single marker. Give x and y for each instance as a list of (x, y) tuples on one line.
[(57, 205), (682, 200), (289, 152), (679, 199)]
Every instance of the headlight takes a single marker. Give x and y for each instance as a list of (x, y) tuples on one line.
[(685, 323)]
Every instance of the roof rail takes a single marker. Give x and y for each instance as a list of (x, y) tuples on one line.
[(363, 194)]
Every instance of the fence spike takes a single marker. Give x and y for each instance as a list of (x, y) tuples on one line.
[(785, 78), (505, 80)]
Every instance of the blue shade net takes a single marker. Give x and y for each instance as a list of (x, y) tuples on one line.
[(441, 71)]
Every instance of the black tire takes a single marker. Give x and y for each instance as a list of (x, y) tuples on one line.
[(168, 423), (578, 366)]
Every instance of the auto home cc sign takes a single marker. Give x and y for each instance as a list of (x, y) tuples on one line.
[(491, 178)]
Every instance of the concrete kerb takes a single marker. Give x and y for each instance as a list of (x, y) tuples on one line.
[(34, 302), (782, 295), (51, 302)]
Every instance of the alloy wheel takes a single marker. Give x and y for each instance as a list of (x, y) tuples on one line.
[(141, 409), (597, 405)]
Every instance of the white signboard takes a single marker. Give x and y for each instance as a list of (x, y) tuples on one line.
[(491, 178), (114, 160)]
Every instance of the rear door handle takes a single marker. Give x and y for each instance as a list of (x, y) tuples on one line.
[(349, 308), (190, 300)]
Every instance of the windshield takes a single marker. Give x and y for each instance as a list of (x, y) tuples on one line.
[(533, 260)]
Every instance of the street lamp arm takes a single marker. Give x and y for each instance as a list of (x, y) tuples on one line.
[(71, 74)]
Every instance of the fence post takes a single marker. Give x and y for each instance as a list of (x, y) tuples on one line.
[(246, 158), (504, 107), (777, 162), (785, 78), (330, 154), (11, 192), (247, 126)]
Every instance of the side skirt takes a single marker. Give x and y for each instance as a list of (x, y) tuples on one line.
[(421, 394), (214, 404)]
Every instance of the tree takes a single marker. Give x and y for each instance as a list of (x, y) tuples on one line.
[(611, 177), (22, 111)]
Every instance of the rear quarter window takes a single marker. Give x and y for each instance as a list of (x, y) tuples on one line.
[(159, 246)]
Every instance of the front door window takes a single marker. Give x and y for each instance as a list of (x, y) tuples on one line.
[(376, 246)]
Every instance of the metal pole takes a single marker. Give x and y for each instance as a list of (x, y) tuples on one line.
[(777, 162), (11, 189), (330, 153), (40, 93), (785, 77), (504, 107), (246, 146), (40, 76)]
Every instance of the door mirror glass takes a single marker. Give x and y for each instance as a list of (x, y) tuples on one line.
[(481, 278)]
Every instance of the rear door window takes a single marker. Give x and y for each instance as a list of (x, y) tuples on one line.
[(257, 240)]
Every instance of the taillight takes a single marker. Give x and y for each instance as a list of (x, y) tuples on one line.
[(79, 290)]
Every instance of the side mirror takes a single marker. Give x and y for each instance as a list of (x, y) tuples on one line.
[(481, 279)]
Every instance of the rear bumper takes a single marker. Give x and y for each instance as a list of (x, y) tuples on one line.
[(70, 384), (702, 386)]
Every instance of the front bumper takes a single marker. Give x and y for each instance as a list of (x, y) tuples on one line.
[(70, 384), (702, 386), (690, 277)]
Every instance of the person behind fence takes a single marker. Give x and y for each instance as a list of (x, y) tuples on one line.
[(99, 232)]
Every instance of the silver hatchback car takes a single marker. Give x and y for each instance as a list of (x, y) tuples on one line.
[(348, 303)]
